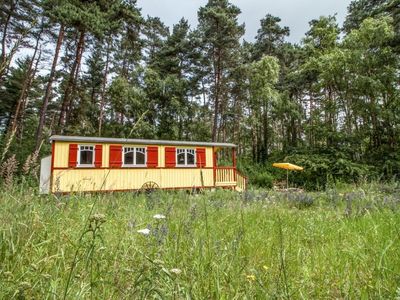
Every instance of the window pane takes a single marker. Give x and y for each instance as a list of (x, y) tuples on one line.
[(127, 149), (190, 158), (128, 158), (140, 158), (86, 157), (181, 159)]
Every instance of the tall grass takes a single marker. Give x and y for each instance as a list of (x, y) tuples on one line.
[(337, 244)]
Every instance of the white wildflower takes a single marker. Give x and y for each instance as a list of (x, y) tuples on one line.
[(145, 231), (159, 217), (176, 271)]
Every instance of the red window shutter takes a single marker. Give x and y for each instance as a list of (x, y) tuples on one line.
[(170, 157), (98, 156), (152, 157), (201, 157), (73, 155), (115, 156)]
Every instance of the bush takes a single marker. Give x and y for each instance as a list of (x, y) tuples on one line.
[(263, 179), (259, 175), (320, 169)]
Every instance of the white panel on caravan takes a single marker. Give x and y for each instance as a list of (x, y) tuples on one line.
[(45, 173)]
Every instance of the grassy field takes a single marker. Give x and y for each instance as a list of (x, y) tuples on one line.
[(342, 243)]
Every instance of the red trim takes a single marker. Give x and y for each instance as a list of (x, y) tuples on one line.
[(214, 164), (132, 168), (226, 168), (234, 162)]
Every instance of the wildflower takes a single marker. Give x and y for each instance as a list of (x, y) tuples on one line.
[(265, 268), (176, 271), (159, 217), (145, 231), (251, 277)]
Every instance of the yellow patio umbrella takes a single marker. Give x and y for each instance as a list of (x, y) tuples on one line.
[(287, 167)]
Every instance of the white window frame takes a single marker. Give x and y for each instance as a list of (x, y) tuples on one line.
[(93, 156), (186, 151), (135, 149)]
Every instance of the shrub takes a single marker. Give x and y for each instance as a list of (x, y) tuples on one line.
[(264, 180), (320, 169)]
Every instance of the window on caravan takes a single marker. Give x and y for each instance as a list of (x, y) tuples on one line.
[(185, 157), (86, 156), (134, 156)]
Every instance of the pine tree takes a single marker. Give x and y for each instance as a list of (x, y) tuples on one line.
[(270, 37), (221, 33)]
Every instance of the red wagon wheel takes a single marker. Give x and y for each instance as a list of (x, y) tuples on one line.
[(149, 187)]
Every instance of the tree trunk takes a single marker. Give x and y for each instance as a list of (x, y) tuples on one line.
[(103, 88), (266, 132), (311, 131), (5, 29), (4, 60), (47, 95), (71, 82), (23, 94), (73, 88), (26, 99), (217, 80)]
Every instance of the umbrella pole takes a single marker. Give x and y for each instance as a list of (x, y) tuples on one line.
[(287, 180)]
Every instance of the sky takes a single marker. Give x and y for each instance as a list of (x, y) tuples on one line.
[(294, 13)]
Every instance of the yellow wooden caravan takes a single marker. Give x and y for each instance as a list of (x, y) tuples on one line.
[(95, 164)]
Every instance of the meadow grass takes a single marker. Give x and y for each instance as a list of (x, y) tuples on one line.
[(217, 245)]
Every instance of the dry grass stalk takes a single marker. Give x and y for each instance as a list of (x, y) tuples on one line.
[(8, 144), (8, 170), (31, 165), (30, 162)]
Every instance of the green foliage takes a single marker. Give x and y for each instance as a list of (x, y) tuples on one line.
[(263, 76), (323, 35), (259, 175), (264, 180), (270, 37), (320, 169)]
